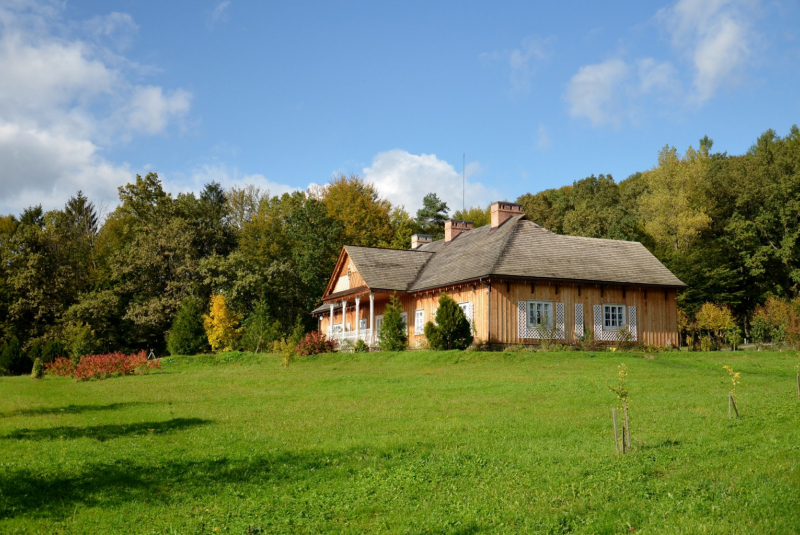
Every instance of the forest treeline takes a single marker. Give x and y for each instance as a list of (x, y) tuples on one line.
[(728, 226)]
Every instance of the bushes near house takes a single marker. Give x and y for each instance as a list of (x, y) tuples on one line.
[(360, 346), (315, 343), (187, 335), (451, 330), (394, 331)]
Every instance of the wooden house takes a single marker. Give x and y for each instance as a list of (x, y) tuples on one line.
[(516, 282)]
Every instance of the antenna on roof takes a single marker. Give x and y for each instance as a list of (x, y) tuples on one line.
[(463, 185)]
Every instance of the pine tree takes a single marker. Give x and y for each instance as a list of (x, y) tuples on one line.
[(187, 336), (432, 215), (221, 325), (452, 329), (394, 331)]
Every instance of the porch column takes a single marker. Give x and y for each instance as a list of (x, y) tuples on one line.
[(371, 318), (344, 315), (358, 321), (330, 327)]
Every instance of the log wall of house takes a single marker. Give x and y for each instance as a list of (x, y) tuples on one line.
[(656, 309)]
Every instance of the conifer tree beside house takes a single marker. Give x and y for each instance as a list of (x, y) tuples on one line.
[(394, 331), (452, 330)]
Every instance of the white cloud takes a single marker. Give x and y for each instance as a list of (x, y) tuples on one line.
[(64, 96), (595, 92), (405, 178), (715, 35), (220, 13), (523, 61)]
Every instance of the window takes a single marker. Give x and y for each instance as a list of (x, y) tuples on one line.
[(404, 317), (419, 321), (378, 324), (540, 314), (466, 308), (362, 324), (613, 317)]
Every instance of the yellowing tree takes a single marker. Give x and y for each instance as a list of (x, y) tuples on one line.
[(714, 318), (672, 209), (221, 324)]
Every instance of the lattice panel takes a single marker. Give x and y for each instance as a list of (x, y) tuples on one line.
[(578, 320), (613, 336), (467, 308), (632, 323), (597, 317), (537, 333)]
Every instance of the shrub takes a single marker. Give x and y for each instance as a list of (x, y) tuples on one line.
[(80, 340), (187, 336), (52, 350), (103, 366), (61, 366), (259, 331), (705, 343), (38, 369), (394, 331), (286, 350), (12, 360), (360, 346), (221, 324), (452, 329), (315, 343)]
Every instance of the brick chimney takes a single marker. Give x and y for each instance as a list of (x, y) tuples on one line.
[(454, 227), (420, 239), (501, 211)]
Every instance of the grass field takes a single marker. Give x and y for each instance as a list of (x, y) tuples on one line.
[(416, 442)]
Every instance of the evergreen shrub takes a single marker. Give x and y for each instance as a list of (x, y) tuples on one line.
[(187, 335), (394, 331), (451, 330)]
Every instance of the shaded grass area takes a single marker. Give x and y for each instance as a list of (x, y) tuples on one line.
[(419, 442)]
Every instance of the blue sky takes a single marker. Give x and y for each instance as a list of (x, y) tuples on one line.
[(285, 95)]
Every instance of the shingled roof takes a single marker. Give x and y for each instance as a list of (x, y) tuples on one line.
[(518, 248)]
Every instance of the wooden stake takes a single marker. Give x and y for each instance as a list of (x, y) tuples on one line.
[(798, 383), (730, 402), (616, 435), (627, 425), (734, 407)]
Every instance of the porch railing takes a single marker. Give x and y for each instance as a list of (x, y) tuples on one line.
[(351, 336)]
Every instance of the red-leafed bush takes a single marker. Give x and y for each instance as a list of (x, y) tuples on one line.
[(103, 366), (315, 343), (61, 366)]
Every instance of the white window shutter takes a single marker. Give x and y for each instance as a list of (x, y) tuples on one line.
[(598, 322), (578, 320), (632, 323)]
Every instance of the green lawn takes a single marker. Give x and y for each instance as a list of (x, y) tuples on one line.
[(416, 442)]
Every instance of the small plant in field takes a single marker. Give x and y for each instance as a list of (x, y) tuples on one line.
[(286, 350), (315, 343), (621, 392), (360, 346), (625, 339), (38, 369), (732, 393)]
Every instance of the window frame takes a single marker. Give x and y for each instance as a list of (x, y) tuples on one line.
[(419, 321), (621, 323), (550, 316)]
